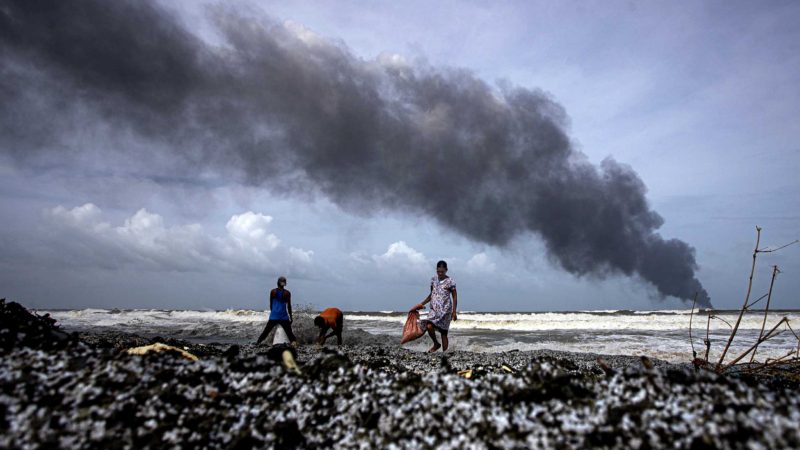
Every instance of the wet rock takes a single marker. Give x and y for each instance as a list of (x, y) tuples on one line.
[(19, 327), (328, 361), (231, 352)]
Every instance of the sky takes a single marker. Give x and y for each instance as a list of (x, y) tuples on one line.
[(558, 155)]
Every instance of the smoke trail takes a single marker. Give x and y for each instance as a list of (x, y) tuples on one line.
[(294, 112)]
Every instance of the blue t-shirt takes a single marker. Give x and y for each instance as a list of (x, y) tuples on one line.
[(277, 307)]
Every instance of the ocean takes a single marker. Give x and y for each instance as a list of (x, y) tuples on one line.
[(658, 334)]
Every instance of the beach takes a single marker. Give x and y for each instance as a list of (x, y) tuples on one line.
[(660, 334), (82, 389)]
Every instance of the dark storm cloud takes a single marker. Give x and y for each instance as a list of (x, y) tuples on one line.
[(293, 112)]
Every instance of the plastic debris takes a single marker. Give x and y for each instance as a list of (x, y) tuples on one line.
[(289, 363), (158, 348)]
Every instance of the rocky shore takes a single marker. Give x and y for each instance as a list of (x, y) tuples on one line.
[(62, 390)]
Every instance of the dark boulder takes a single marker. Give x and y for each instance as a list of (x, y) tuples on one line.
[(19, 327)]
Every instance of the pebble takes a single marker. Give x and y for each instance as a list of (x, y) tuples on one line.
[(85, 392)]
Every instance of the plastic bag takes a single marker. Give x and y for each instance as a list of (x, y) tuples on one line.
[(412, 329)]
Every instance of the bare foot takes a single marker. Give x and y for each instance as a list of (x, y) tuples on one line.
[(434, 348)]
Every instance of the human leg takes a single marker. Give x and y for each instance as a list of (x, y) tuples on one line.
[(270, 325), (333, 333), (339, 328), (432, 334), (445, 340), (287, 327)]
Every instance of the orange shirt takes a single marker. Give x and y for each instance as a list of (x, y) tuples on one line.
[(332, 316)]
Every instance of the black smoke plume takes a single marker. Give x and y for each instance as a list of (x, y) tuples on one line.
[(288, 110)]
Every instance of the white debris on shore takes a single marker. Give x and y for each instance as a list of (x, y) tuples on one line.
[(80, 395)]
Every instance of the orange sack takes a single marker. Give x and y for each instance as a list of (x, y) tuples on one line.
[(411, 330)]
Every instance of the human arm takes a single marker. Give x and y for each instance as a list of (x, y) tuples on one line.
[(289, 305), (455, 303), (424, 302), (271, 297)]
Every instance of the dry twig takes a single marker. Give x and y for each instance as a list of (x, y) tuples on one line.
[(775, 272), (746, 299), (745, 307), (708, 340), (691, 315), (760, 340)]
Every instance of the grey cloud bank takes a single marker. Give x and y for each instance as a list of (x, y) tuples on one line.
[(276, 105)]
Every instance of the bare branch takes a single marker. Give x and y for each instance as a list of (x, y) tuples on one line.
[(744, 305), (760, 340), (708, 340), (770, 362), (770, 250), (758, 300), (775, 272), (792, 330), (720, 318), (691, 315)]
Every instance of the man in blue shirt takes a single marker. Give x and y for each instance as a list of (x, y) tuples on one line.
[(280, 312)]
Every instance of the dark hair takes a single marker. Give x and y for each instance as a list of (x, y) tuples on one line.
[(442, 264), (319, 321)]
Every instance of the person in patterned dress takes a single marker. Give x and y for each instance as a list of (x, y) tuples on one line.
[(444, 302)]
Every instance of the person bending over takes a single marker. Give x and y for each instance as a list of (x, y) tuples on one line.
[(280, 312), (330, 319)]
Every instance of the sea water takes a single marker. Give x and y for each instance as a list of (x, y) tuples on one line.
[(659, 334)]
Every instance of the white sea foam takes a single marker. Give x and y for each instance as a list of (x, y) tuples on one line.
[(545, 321), (660, 334), (588, 321)]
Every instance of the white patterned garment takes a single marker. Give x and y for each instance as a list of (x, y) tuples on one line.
[(441, 302)]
